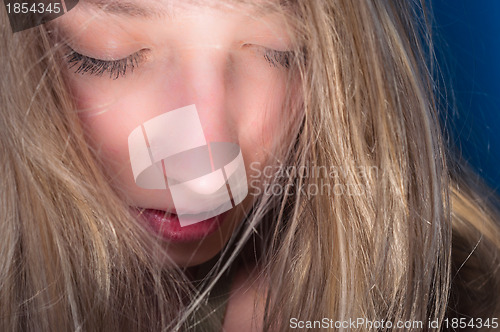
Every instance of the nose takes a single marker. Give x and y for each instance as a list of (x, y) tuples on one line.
[(204, 180), (207, 77)]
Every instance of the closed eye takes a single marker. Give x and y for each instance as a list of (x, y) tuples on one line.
[(119, 68), (278, 58), (115, 68)]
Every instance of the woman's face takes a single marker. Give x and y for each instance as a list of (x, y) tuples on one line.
[(157, 56)]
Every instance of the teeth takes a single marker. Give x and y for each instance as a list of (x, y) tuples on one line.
[(165, 213)]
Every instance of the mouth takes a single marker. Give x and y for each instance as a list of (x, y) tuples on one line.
[(167, 226)]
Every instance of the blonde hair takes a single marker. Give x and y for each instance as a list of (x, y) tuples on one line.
[(418, 243)]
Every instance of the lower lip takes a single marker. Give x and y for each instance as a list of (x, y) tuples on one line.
[(169, 228)]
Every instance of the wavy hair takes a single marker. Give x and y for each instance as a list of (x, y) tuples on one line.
[(416, 240)]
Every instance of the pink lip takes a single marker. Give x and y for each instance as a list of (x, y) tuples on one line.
[(168, 227)]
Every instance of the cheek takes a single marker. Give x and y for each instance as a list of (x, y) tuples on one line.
[(260, 120), (107, 133), (108, 120)]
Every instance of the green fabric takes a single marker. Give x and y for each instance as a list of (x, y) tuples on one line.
[(211, 316)]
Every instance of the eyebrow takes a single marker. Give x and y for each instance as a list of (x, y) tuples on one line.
[(127, 8)]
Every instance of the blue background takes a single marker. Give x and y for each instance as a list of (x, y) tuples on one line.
[(467, 37)]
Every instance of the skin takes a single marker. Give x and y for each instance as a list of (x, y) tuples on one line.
[(202, 55), (210, 57)]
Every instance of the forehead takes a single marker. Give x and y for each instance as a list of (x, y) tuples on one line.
[(168, 8)]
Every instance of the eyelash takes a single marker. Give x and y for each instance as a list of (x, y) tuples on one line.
[(119, 67), (278, 58), (99, 67)]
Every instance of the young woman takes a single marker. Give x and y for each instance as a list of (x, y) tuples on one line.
[(357, 216)]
